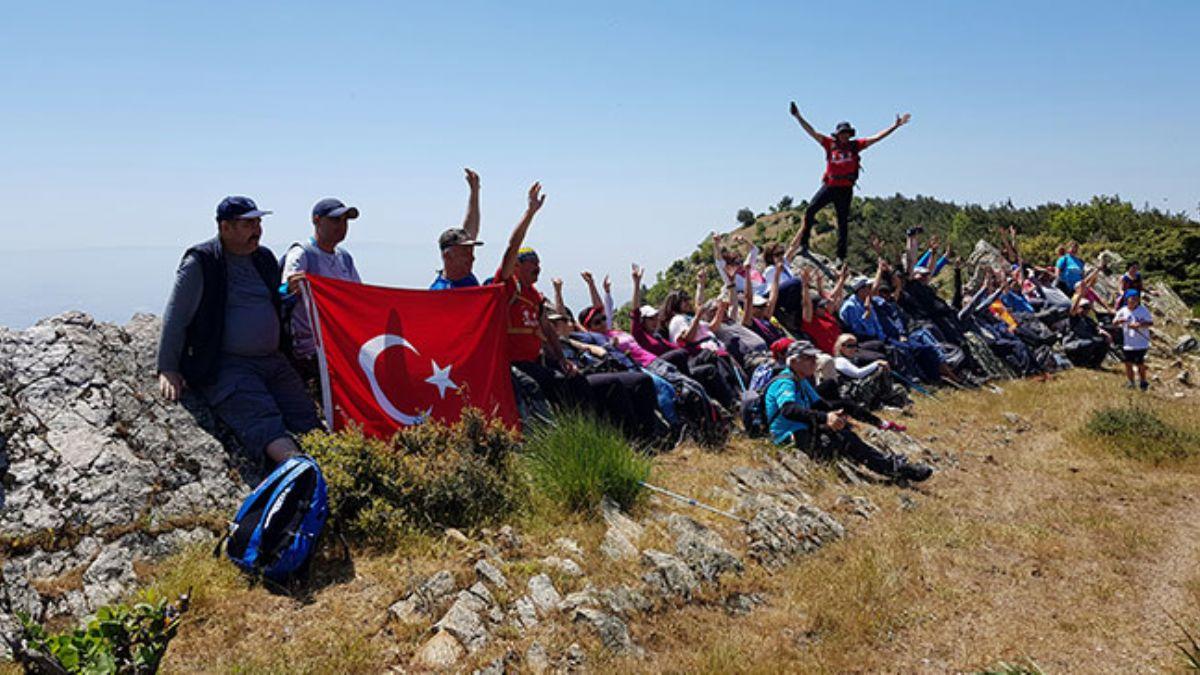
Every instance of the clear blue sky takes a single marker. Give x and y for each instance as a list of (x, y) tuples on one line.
[(649, 124)]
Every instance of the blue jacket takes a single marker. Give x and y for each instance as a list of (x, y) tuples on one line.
[(782, 391)]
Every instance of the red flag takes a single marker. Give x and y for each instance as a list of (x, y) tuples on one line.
[(395, 357)]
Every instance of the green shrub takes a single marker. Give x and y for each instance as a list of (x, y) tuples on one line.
[(118, 639), (1136, 431), (578, 459), (425, 477)]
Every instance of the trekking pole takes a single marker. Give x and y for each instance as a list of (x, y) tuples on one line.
[(692, 502), (737, 373)]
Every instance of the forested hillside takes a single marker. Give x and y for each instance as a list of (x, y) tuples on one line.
[(1166, 244)]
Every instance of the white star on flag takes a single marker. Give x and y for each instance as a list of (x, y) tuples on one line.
[(441, 379)]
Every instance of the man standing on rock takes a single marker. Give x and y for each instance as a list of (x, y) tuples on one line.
[(223, 335), (841, 173)]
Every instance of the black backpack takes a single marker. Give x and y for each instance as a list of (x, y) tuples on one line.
[(753, 409)]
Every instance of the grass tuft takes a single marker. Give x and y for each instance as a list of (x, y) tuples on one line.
[(1137, 432), (1189, 647), (578, 459), (1023, 667)]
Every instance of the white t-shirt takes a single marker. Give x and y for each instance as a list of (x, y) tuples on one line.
[(309, 258), (785, 270), (1135, 338), (679, 325)]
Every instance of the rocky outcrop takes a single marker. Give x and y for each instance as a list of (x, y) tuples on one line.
[(96, 471)]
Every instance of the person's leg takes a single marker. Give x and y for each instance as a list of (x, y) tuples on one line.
[(1128, 367), (855, 410), (677, 358), (820, 200), (841, 204), (291, 395), (887, 464), (242, 400)]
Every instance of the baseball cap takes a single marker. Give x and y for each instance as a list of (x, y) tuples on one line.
[(456, 236), (844, 126), (646, 311), (334, 208), (237, 207), (526, 253), (803, 348), (760, 301), (858, 282), (921, 269), (780, 346)]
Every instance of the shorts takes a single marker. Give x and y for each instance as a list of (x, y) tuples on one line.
[(1137, 356), (262, 399)]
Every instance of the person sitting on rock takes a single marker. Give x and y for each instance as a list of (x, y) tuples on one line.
[(223, 336), (798, 416)]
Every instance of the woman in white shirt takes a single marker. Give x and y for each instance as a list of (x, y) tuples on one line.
[(870, 385)]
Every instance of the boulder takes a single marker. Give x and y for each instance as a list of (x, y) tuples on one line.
[(669, 577), (90, 451), (702, 549), (778, 535)]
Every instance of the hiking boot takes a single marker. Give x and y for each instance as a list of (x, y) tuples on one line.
[(1143, 385), (1130, 385), (915, 472)]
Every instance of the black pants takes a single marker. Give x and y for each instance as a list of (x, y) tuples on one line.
[(840, 198), (829, 393), (555, 387), (828, 444), (629, 401)]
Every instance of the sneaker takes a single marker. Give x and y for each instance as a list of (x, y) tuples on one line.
[(1130, 385), (915, 472), (1143, 385), (888, 425)]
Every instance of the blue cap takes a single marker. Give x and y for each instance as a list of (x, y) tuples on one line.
[(233, 208), (334, 208), (1131, 293)]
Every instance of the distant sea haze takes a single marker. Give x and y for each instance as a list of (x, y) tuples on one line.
[(112, 284)]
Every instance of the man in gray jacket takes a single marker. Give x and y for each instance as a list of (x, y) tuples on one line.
[(222, 336)]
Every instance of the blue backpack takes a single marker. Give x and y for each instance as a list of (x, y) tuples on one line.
[(276, 529)]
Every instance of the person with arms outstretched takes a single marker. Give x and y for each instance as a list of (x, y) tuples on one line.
[(841, 173)]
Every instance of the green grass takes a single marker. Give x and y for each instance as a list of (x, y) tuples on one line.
[(577, 459), (1024, 667), (1189, 647), (1138, 432)]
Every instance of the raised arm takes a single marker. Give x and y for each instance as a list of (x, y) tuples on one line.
[(636, 276), (561, 307), (471, 221), (747, 305), (608, 303), (806, 303), (773, 298), (901, 120), (697, 300), (808, 128), (718, 260), (508, 263), (591, 285), (839, 289)]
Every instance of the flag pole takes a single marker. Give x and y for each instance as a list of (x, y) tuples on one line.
[(315, 319)]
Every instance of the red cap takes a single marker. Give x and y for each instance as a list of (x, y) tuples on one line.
[(779, 347)]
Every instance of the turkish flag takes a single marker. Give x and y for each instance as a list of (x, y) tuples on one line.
[(393, 357)]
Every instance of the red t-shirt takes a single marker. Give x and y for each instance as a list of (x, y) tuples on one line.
[(841, 161), (524, 327), (823, 329)]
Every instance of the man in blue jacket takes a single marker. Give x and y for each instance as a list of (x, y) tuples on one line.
[(223, 336), (799, 417)]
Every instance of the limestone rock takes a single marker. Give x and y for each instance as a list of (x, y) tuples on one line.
[(569, 546), (702, 549), (617, 520), (543, 594), (616, 547), (462, 621), (624, 600), (440, 652), (536, 659), (89, 449), (488, 572), (669, 576), (565, 565), (777, 535), (613, 632), (524, 613)]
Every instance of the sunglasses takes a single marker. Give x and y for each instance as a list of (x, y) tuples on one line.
[(851, 344)]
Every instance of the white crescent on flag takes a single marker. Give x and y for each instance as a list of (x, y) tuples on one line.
[(367, 355)]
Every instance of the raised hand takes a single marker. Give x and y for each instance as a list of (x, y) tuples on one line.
[(795, 111), (637, 273), (587, 277), (557, 283), (901, 120), (536, 198), (472, 180), (934, 241), (702, 275), (607, 284)]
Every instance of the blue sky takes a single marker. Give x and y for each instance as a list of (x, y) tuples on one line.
[(649, 124)]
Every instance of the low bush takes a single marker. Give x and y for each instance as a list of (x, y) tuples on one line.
[(118, 639), (578, 459), (1136, 431), (425, 477)]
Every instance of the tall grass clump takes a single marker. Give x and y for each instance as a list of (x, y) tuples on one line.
[(1025, 667), (577, 459), (1136, 431), (1189, 647), (424, 478)]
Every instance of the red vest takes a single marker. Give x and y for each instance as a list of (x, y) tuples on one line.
[(841, 163)]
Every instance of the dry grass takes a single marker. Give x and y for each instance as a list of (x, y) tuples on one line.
[(1035, 542)]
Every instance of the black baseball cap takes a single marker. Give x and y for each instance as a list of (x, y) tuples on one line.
[(844, 126), (334, 208), (237, 207), (456, 236)]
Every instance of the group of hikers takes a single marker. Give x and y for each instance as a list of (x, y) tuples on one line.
[(797, 349)]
